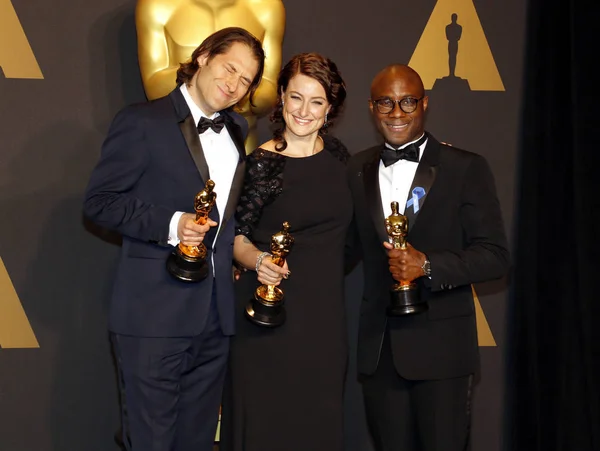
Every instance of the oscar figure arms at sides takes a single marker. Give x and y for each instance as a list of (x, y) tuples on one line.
[(271, 16), (169, 30)]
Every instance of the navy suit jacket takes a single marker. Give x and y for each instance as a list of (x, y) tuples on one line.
[(459, 227), (151, 166)]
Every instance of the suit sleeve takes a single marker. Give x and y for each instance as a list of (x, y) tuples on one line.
[(352, 248), (241, 122), (112, 200), (485, 254)]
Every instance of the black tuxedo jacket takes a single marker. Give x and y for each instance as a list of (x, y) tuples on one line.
[(459, 227), (152, 165)]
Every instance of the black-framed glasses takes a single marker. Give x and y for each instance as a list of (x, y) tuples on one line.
[(406, 104)]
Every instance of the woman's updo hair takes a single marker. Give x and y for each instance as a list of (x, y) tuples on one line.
[(323, 70)]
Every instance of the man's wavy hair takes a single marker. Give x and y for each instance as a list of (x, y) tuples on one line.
[(319, 68), (218, 43)]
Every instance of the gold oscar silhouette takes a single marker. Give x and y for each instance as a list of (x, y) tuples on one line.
[(188, 263), (452, 82), (168, 31), (266, 309), (404, 299), (453, 54)]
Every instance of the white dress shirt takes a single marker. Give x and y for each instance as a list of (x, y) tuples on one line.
[(396, 179), (222, 158)]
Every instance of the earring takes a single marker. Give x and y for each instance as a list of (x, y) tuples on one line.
[(325, 118)]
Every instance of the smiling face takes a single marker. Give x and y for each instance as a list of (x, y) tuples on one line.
[(396, 83), (224, 80), (305, 105)]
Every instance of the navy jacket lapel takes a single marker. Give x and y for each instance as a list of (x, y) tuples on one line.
[(189, 130), (237, 135), (423, 180)]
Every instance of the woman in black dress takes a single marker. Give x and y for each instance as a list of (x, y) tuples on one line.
[(286, 384)]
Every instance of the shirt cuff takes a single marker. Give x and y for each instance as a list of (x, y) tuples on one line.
[(173, 238)]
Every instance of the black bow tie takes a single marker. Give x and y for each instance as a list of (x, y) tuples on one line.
[(409, 153), (216, 125)]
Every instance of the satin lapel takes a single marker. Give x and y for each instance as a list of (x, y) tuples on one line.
[(238, 177), (192, 139), (373, 195), (424, 178), (190, 132)]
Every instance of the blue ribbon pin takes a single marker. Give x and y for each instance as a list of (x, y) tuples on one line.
[(417, 193)]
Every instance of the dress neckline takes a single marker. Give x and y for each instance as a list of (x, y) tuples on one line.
[(291, 157)]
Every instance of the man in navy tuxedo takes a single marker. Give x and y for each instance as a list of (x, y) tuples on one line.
[(171, 338), (417, 370)]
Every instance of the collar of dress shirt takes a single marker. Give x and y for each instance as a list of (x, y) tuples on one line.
[(421, 149), (389, 146), (197, 113)]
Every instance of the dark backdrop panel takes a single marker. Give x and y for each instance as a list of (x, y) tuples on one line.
[(63, 395)]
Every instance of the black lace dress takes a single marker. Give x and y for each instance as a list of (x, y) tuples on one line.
[(285, 386)]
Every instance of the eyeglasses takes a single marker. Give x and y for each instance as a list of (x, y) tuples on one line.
[(386, 105)]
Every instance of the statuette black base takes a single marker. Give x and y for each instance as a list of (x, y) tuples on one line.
[(406, 302), (265, 314), (186, 269)]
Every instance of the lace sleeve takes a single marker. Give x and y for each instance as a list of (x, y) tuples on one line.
[(262, 184), (336, 147)]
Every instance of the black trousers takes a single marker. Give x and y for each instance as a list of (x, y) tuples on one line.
[(171, 388), (409, 415)]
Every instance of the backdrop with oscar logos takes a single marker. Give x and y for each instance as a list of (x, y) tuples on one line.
[(67, 69)]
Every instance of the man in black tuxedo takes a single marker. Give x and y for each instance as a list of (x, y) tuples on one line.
[(171, 338), (417, 370)]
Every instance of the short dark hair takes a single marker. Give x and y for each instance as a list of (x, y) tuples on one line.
[(323, 70), (218, 43)]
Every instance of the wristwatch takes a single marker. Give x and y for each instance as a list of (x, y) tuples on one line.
[(426, 268)]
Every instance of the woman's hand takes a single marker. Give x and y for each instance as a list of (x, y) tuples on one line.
[(271, 274)]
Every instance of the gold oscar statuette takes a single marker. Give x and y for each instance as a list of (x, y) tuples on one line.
[(404, 295), (188, 263), (266, 308)]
